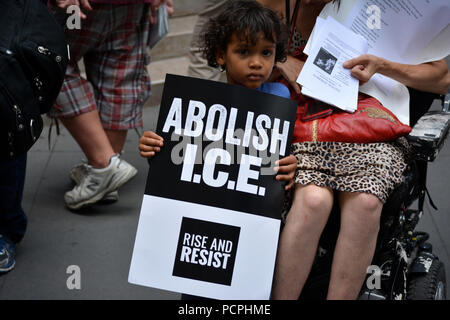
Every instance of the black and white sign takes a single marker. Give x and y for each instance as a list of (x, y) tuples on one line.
[(210, 216)]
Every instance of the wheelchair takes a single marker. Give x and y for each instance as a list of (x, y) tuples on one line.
[(404, 265)]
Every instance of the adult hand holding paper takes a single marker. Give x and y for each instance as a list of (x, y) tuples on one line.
[(364, 67), (410, 34)]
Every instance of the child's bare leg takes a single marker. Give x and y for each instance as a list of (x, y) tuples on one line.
[(298, 242), (360, 221)]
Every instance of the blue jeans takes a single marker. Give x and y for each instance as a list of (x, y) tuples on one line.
[(13, 221)]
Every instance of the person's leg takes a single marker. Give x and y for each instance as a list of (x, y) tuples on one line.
[(299, 239), (117, 139), (76, 104), (13, 221), (118, 73), (198, 66), (90, 135), (77, 108), (360, 221), (88, 132)]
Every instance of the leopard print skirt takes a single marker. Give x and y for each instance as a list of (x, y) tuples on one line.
[(375, 168)]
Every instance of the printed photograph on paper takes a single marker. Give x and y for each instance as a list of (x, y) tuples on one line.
[(325, 61)]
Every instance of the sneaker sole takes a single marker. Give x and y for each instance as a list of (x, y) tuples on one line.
[(125, 177), (109, 198)]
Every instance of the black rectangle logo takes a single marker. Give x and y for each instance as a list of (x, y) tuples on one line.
[(206, 251)]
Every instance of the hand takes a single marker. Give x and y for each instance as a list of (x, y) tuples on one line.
[(64, 4), (287, 166), (169, 7), (149, 144), (364, 67), (290, 69)]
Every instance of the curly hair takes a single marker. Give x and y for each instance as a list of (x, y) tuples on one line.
[(246, 19)]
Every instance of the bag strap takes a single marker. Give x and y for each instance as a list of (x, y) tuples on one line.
[(292, 21), (288, 12)]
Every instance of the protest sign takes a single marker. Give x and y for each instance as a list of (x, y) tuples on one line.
[(210, 216)]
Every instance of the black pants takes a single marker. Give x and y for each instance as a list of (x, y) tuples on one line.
[(13, 221)]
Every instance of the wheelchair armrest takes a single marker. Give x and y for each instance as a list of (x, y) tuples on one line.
[(429, 133)]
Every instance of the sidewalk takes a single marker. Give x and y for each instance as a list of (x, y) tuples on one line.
[(100, 239)]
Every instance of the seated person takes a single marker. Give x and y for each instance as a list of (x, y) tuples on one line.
[(333, 169)]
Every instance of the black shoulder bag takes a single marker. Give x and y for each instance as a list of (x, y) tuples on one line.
[(33, 61)]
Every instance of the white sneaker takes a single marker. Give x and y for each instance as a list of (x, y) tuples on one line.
[(110, 197), (79, 171), (96, 183)]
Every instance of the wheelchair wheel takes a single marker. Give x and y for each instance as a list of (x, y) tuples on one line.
[(429, 286)]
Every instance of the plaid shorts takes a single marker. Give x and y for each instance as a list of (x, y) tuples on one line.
[(113, 44)]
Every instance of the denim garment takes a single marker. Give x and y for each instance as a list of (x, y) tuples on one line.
[(13, 221)]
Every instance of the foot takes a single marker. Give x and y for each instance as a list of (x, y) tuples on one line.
[(96, 183), (77, 174), (7, 254)]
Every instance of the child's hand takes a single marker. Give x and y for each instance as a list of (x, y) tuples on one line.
[(149, 144), (287, 166)]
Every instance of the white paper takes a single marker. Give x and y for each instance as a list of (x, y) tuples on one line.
[(323, 76), (394, 41), (406, 27), (431, 39), (385, 84), (438, 47)]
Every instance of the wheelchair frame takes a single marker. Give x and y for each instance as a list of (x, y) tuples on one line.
[(401, 252)]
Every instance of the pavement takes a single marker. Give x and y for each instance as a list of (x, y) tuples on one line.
[(100, 240)]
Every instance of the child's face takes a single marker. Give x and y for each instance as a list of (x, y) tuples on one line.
[(246, 64)]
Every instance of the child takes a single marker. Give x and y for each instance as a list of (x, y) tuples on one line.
[(245, 40)]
